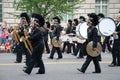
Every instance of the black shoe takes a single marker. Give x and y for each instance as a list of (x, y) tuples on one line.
[(80, 57), (74, 54), (80, 70), (118, 65), (50, 57), (40, 73), (112, 65), (96, 72), (26, 72), (17, 62)]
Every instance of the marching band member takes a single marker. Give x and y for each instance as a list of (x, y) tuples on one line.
[(75, 23), (45, 34), (92, 36), (79, 45), (107, 38), (100, 17), (24, 24), (37, 40), (56, 34), (67, 43), (116, 45)]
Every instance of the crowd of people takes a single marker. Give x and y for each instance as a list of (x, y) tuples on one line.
[(6, 40)]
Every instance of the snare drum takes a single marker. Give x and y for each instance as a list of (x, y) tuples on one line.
[(107, 26)]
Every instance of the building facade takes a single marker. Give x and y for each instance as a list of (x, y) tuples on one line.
[(109, 7)]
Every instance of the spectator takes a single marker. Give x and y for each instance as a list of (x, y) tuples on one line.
[(2, 47), (7, 47)]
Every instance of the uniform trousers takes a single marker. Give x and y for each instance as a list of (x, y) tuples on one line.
[(36, 58), (87, 62), (116, 53), (47, 46), (54, 49), (78, 49), (66, 44)]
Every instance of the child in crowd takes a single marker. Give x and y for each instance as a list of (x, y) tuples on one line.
[(2, 47), (7, 47)]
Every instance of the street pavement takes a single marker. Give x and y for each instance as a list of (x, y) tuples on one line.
[(63, 69)]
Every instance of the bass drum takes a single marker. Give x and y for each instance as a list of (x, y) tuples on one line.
[(106, 27), (83, 30), (78, 32)]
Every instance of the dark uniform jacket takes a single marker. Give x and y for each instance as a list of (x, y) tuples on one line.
[(69, 30), (21, 30), (36, 37), (117, 41), (92, 36), (45, 34), (118, 30), (57, 31)]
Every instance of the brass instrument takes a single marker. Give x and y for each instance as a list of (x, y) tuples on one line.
[(15, 34), (27, 43), (18, 39)]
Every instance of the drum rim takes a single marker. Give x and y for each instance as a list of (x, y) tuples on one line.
[(101, 20), (78, 30)]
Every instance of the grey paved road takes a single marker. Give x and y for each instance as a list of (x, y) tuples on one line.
[(64, 69)]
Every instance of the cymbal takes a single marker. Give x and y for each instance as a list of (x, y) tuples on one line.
[(91, 52), (56, 43)]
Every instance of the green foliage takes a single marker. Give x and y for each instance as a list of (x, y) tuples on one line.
[(48, 8)]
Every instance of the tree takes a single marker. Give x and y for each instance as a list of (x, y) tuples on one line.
[(48, 8)]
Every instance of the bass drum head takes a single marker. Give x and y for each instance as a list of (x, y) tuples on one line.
[(106, 26), (78, 32), (83, 30)]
